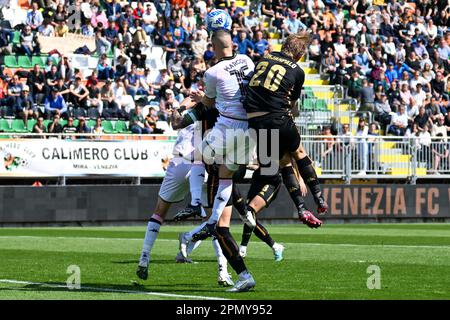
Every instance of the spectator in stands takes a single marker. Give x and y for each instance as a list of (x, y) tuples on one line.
[(14, 91), (47, 29), (55, 126), (82, 127), (133, 83), (29, 42), (78, 94), (55, 104), (244, 45), (102, 45), (51, 78), (292, 24), (61, 29), (439, 127), (125, 102), (439, 151), (39, 127), (62, 88), (98, 128), (260, 45), (354, 85), (367, 97), (362, 146), (110, 106), (104, 68), (329, 64), (147, 82), (69, 127), (399, 122), (65, 68), (113, 9), (94, 102), (168, 102), (422, 120), (111, 33), (383, 110), (149, 18), (433, 109), (34, 17), (137, 125), (24, 105), (36, 82)]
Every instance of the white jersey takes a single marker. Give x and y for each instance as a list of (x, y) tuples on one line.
[(184, 146), (226, 82)]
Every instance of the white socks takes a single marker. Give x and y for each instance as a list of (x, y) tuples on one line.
[(196, 180), (221, 199), (150, 236)]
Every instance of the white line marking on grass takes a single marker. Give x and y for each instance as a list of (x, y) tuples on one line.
[(257, 243), (150, 293)]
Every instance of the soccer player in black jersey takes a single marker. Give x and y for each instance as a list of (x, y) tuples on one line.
[(272, 91)]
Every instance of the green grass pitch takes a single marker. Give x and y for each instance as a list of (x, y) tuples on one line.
[(328, 263)]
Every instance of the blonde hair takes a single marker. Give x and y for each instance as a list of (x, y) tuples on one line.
[(296, 44)]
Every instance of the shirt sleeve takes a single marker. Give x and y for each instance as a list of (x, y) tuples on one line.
[(210, 85)]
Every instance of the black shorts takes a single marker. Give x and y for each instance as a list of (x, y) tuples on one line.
[(288, 139), (265, 186)]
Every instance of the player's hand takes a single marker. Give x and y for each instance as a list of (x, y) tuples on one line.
[(197, 96), (303, 188)]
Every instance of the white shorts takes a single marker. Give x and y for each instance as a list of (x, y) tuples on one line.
[(175, 185), (227, 143)]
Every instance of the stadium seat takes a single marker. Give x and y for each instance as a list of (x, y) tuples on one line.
[(108, 127), (24, 62), (5, 126), (19, 126), (38, 60), (30, 124), (122, 127), (11, 62), (16, 39)]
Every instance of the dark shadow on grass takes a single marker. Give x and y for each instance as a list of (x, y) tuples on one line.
[(159, 261), (190, 289)]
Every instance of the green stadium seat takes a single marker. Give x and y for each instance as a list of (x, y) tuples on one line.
[(5, 126), (321, 105), (16, 39), (62, 122), (19, 126), (38, 60), (121, 127), (30, 124), (108, 127), (55, 60), (24, 62), (91, 123), (46, 123), (11, 62)]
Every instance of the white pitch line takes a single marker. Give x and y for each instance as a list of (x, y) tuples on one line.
[(150, 293), (257, 243)]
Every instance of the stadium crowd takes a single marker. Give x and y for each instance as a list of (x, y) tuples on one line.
[(392, 56)]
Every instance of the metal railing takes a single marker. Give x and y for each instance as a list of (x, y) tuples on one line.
[(376, 157)]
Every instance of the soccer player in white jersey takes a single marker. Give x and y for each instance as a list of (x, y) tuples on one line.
[(173, 189), (225, 85)]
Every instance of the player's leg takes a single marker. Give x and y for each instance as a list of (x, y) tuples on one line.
[(173, 189), (262, 192), (153, 226), (291, 182), (309, 175), (230, 250)]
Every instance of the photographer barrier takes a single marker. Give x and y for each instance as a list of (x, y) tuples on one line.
[(125, 203)]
